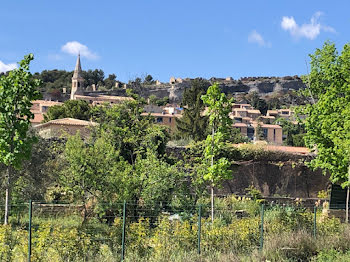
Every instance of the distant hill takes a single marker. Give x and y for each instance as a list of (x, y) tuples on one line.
[(264, 86)]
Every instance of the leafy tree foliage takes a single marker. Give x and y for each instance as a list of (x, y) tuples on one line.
[(17, 90), (220, 123), (32, 181), (162, 101), (149, 80), (130, 132), (78, 109), (294, 132), (328, 119), (93, 77), (110, 81), (193, 123), (54, 80), (124, 160), (152, 99), (257, 102)]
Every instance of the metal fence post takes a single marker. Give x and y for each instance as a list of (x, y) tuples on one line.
[(262, 228), (199, 228), (123, 232), (315, 216), (30, 231)]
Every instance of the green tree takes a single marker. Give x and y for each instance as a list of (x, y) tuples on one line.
[(152, 99), (110, 81), (53, 81), (32, 181), (220, 124), (294, 132), (257, 102), (163, 101), (17, 90), (79, 109), (94, 170), (193, 123), (148, 80), (131, 132), (93, 77), (328, 119)]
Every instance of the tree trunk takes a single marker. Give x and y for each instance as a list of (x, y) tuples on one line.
[(212, 183), (347, 198), (212, 203), (7, 194), (347, 206)]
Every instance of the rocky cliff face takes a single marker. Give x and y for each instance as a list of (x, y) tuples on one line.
[(273, 173), (276, 180), (262, 85)]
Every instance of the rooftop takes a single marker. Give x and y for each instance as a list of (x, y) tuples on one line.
[(46, 103), (286, 149), (161, 114), (67, 122)]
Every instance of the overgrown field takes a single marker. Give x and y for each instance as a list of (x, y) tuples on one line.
[(235, 235)]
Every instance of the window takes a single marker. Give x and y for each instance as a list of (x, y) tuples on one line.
[(265, 132), (159, 119), (78, 84), (170, 120), (274, 134), (250, 132)]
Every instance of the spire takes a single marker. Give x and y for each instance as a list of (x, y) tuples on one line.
[(77, 70)]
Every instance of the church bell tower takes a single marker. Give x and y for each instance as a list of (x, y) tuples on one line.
[(77, 81)]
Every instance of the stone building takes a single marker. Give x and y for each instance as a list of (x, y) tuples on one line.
[(39, 108), (94, 98), (77, 81), (64, 127), (247, 119)]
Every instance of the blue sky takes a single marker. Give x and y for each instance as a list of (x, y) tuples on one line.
[(171, 38)]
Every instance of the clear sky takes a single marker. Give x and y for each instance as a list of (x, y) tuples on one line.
[(182, 38)]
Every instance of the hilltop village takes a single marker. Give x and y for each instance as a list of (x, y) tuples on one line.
[(248, 120)]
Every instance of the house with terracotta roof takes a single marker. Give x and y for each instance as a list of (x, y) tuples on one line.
[(284, 113), (39, 108), (253, 113), (165, 119), (64, 127), (271, 133)]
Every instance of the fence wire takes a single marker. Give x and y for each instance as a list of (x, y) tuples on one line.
[(94, 231)]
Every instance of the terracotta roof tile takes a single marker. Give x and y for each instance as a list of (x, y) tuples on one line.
[(240, 125), (286, 149), (161, 114), (68, 122)]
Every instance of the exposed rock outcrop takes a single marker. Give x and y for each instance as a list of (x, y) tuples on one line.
[(262, 85)]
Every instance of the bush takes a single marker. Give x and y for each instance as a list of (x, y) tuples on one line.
[(234, 236)]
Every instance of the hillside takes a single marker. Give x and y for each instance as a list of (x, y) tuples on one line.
[(262, 85)]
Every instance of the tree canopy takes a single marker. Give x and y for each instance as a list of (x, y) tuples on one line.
[(17, 89), (194, 123), (328, 119), (79, 109)]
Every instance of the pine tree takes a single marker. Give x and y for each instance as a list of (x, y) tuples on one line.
[(193, 122)]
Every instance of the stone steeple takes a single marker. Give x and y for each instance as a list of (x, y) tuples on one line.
[(77, 80)]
